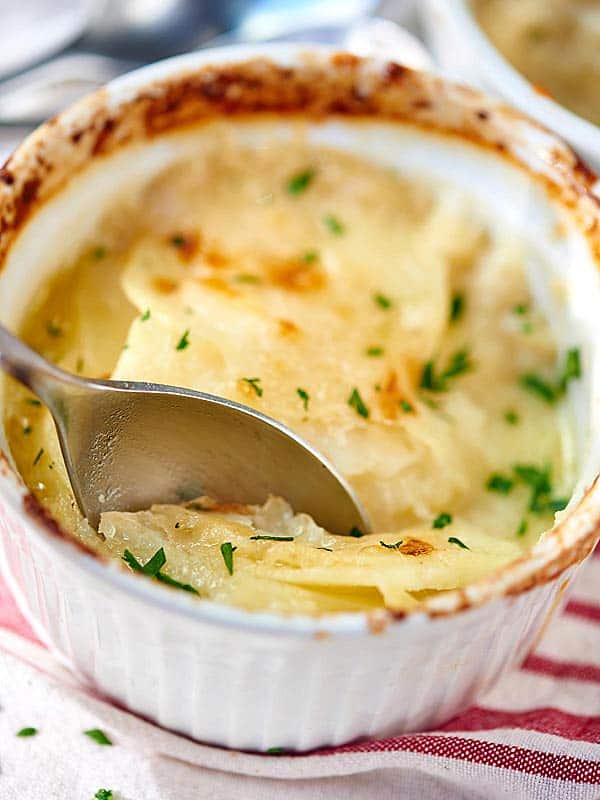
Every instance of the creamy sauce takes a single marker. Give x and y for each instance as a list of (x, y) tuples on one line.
[(375, 316), (554, 43)]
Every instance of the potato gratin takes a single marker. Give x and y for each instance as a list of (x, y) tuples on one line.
[(554, 43), (378, 317)]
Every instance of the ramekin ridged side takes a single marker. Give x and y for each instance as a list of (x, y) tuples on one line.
[(253, 689)]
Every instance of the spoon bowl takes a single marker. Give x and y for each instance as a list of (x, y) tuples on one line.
[(128, 445)]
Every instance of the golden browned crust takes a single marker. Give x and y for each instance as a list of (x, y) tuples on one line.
[(415, 547), (341, 84)]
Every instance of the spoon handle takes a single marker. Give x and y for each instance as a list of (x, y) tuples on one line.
[(43, 378)]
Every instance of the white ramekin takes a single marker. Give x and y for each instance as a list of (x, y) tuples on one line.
[(464, 53), (256, 681)]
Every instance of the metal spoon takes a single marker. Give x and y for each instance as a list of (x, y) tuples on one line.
[(128, 445)]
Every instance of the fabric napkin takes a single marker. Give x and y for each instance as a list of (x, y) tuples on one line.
[(536, 735)]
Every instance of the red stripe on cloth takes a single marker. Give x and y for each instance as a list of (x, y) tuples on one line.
[(493, 754), (10, 616), (579, 608), (543, 720), (562, 669)]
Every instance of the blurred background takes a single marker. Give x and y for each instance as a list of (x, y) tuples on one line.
[(55, 51)]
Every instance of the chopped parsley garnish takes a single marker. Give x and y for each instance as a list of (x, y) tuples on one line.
[(539, 481), (511, 417), (356, 402), (442, 520), (542, 388), (406, 407), (33, 402), (255, 384), (27, 430), (454, 540), (458, 364), (333, 224), (522, 529), (375, 351), (145, 316), (299, 182), (551, 392), (355, 532), (152, 569), (395, 546), (184, 341), (40, 453), (227, 551), (103, 794), (25, 732), (430, 403), (53, 329), (457, 306), (382, 301), (304, 396), (557, 504), (521, 309), (157, 561), (169, 581), (310, 257), (572, 368), (499, 483), (98, 736), (268, 538)]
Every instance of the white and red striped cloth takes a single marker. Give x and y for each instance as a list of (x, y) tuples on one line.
[(536, 735)]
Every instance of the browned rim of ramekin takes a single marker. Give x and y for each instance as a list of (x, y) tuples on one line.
[(313, 84)]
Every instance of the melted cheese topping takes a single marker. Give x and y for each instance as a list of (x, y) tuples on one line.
[(554, 43), (377, 317)]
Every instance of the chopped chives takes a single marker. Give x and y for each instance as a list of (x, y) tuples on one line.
[(454, 540), (184, 341), (255, 384), (499, 483), (98, 736), (442, 520), (304, 396), (394, 546), (299, 182), (382, 301), (227, 551), (26, 732), (334, 225), (457, 307), (355, 401)]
